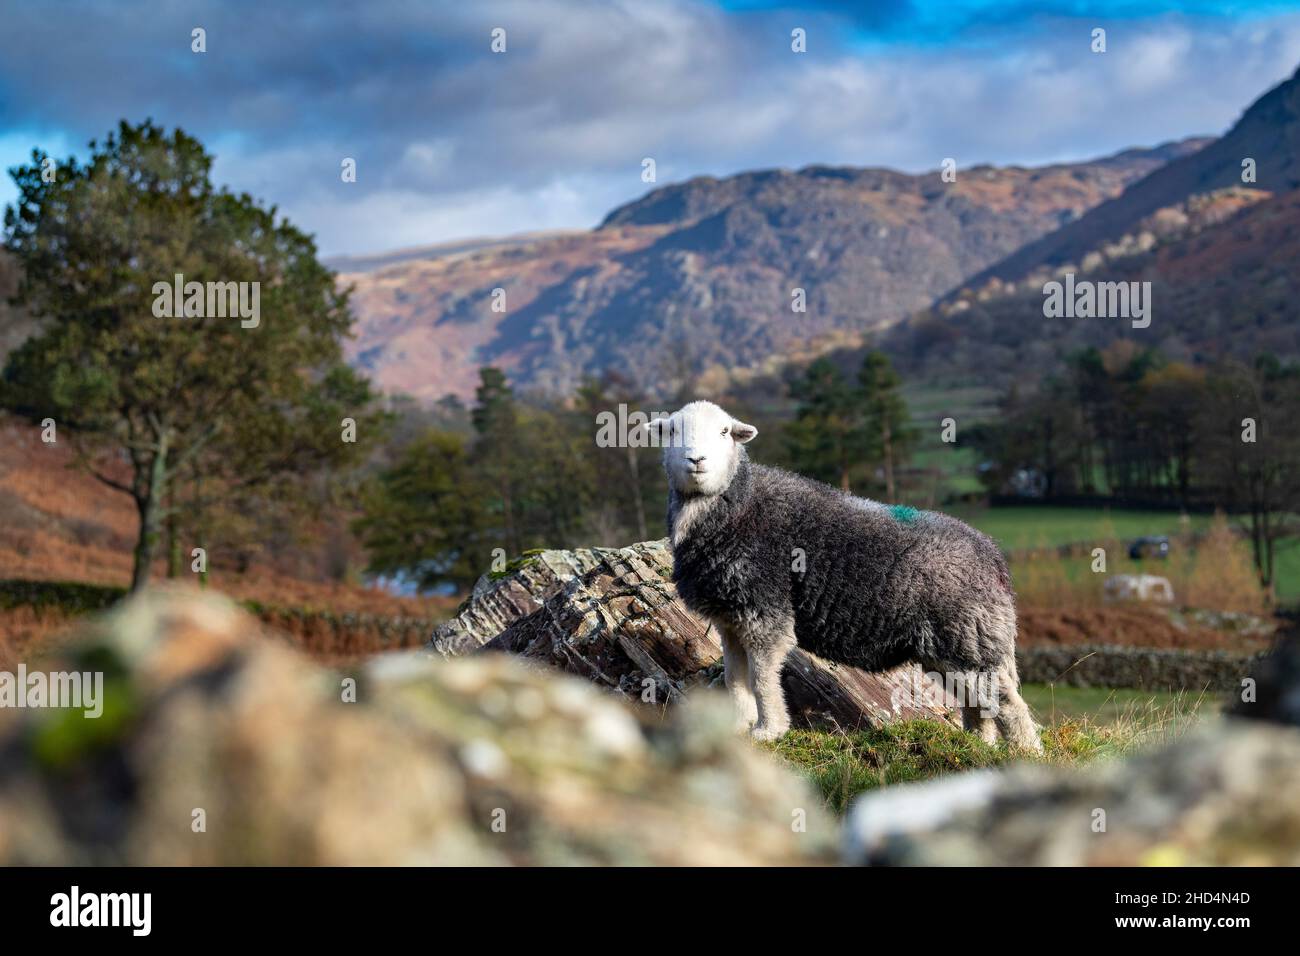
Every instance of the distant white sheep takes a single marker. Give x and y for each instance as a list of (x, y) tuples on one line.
[(1139, 587)]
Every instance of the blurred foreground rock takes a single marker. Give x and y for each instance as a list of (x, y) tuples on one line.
[(210, 718), (613, 616), (1222, 795), (1276, 696)]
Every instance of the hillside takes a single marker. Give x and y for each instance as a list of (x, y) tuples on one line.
[(1222, 273), (369, 263), (57, 523), (698, 276), (1268, 132)]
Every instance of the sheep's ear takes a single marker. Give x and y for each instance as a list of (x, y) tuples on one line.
[(742, 432)]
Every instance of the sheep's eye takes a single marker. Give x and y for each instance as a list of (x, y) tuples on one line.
[(724, 432)]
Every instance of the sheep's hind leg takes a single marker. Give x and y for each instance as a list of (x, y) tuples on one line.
[(1013, 717), (767, 651), (735, 662), (970, 691), (973, 720)]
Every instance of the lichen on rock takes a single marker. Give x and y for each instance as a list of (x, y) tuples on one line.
[(232, 748)]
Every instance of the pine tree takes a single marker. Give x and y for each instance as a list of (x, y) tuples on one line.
[(827, 442), (423, 515), (887, 434), (495, 419)]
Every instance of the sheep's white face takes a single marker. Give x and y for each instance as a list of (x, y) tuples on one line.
[(701, 446)]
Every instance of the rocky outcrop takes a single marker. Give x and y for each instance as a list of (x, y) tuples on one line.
[(217, 745), (500, 599), (613, 616)]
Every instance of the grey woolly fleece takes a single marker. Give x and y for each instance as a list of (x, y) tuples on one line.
[(880, 586)]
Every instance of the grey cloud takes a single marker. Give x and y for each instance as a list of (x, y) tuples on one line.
[(451, 139)]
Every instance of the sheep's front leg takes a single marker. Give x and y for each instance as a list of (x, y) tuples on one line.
[(735, 662), (768, 649)]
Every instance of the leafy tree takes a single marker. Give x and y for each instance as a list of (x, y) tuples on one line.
[(1170, 398), (1109, 393), (145, 397), (1250, 448), (553, 477), (1038, 429), (424, 516), (828, 441), (844, 429), (629, 475), (495, 420), (884, 414), (274, 472)]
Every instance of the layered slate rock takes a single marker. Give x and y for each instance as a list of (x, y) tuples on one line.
[(219, 744), (613, 616)]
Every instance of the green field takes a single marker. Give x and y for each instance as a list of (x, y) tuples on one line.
[(1028, 527), (942, 472), (1045, 526), (1288, 574), (956, 463), (1054, 704), (956, 466)]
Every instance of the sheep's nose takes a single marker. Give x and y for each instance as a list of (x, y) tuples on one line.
[(697, 459)]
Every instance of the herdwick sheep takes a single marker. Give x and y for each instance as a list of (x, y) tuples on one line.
[(774, 560)]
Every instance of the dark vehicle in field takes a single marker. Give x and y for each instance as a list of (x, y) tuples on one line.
[(1152, 546)]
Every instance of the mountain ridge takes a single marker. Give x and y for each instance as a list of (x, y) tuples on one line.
[(1268, 132), (700, 276)]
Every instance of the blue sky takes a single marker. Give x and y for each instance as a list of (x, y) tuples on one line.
[(452, 140)]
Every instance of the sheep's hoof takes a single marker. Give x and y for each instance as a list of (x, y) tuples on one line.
[(768, 733), (1027, 745)]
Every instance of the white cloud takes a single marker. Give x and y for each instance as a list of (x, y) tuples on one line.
[(398, 219), (454, 141)]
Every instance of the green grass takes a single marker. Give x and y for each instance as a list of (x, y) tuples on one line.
[(841, 765), (1080, 725), (957, 464), (1108, 706), (1033, 526), (1030, 527), (516, 564), (1046, 526), (927, 406), (1287, 573)]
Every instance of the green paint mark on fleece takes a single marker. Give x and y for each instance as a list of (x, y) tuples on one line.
[(904, 513)]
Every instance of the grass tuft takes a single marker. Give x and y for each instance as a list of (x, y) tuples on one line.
[(842, 764)]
